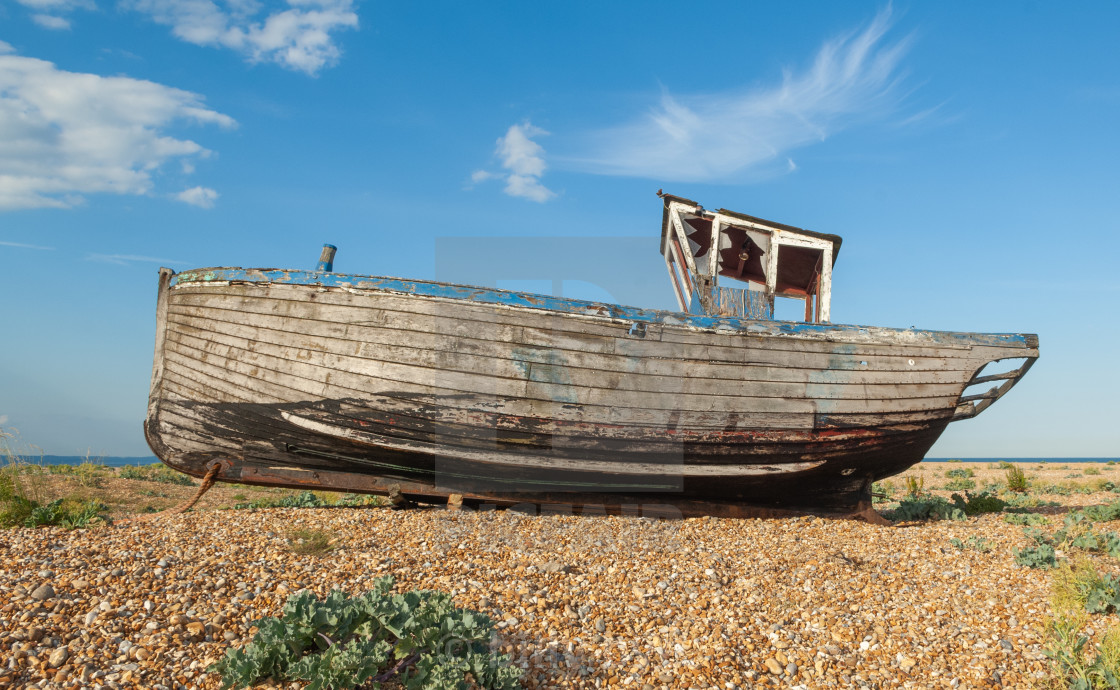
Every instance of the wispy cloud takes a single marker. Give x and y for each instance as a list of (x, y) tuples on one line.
[(126, 259), (300, 37), (523, 160), (21, 245), (726, 135), (203, 197), (57, 5), (47, 12), (50, 21), (3, 419), (68, 134)]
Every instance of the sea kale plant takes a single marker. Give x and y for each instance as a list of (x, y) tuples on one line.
[(960, 485), (1041, 556), (936, 508), (419, 639), (1022, 518), (976, 504), (911, 509), (973, 543)]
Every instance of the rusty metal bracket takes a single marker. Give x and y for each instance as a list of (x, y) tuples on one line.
[(224, 465)]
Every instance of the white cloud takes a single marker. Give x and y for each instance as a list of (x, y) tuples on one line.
[(726, 135), (528, 187), (67, 134), (299, 37), (524, 159), (202, 197), (48, 21), (126, 259), (3, 419), (21, 245), (6, 47), (57, 5), (47, 12)]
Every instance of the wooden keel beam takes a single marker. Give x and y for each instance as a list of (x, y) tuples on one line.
[(404, 494)]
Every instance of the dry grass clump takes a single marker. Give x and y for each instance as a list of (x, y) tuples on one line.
[(26, 499), (310, 542), (1074, 662)]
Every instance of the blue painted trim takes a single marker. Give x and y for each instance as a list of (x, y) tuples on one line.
[(573, 306)]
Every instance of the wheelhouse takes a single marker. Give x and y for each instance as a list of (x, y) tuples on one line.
[(731, 264)]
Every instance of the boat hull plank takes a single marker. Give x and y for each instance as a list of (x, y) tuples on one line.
[(381, 310)]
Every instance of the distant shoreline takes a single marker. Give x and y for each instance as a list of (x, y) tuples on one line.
[(108, 460)]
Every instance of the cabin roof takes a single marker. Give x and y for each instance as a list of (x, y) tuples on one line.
[(836, 240)]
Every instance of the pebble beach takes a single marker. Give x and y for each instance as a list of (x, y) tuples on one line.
[(579, 602)]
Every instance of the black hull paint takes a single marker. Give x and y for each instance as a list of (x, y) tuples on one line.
[(260, 437)]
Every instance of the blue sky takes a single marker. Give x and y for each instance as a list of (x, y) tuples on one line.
[(967, 153)]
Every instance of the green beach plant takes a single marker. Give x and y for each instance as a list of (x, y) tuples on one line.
[(1026, 502), (23, 495), (304, 499), (66, 512), (915, 486), (911, 509), (960, 485), (881, 492), (1039, 556), (973, 543), (418, 639), (1016, 479), (1067, 645), (155, 472), (1105, 513), (959, 473), (1026, 519), (977, 504), (89, 473)]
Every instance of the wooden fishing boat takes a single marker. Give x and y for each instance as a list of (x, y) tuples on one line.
[(318, 379)]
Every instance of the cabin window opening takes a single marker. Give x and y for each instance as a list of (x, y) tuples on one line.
[(789, 308), (743, 254)]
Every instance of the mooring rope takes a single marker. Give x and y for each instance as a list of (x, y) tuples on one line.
[(207, 482)]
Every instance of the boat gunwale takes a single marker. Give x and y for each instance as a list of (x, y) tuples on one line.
[(566, 306)]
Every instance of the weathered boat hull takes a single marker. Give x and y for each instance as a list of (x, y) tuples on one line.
[(370, 384)]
